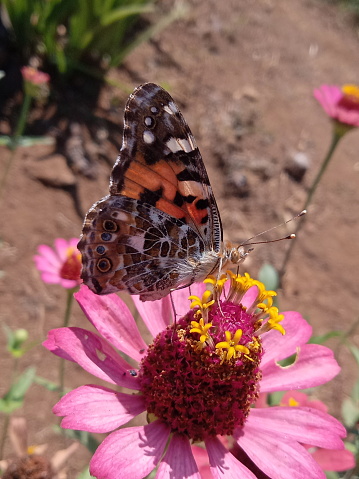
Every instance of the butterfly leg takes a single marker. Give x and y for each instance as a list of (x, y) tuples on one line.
[(218, 276), (174, 313)]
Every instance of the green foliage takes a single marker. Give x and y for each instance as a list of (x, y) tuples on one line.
[(269, 276), (69, 33), (15, 396), (49, 385), (26, 141), (322, 339), (15, 341), (350, 6), (83, 437), (350, 405), (85, 474)]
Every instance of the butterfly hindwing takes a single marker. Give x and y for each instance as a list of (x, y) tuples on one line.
[(127, 245)]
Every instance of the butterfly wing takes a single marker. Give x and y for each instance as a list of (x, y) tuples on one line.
[(160, 164), (160, 227), (129, 245)]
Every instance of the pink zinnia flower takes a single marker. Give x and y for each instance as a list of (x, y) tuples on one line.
[(61, 265), (197, 381), (34, 76), (36, 83), (341, 104)]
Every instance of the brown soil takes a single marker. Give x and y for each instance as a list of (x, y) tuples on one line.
[(243, 73)]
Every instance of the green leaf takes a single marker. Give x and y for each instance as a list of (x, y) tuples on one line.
[(83, 437), (85, 474), (275, 398), (123, 12), (350, 412), (14, 398), (355, 352), (331, 475), (324, 337), (49, 385), (269, 276)]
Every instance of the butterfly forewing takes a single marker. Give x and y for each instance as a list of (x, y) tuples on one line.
[(160, 163)]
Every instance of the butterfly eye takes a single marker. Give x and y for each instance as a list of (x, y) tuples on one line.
[(109, 225), (104, 265)]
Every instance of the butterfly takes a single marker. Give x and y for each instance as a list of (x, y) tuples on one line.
[(159, 229)]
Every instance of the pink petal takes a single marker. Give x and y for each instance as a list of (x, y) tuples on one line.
[(201, 458), (250, 296), (277, 347), (93, 354), (113, 320), (334, 460), (277, 456), (69, 283), (313, 366), (50, 344), (42, 264), (131, 452), (50, 278), (49, 254), (178, 461), (73, 242), (301, 424), (223, 464), (180, 297), (61, 247), (97, 409), (155, 314)]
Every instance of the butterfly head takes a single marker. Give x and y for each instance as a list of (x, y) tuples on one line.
[(235, 254)]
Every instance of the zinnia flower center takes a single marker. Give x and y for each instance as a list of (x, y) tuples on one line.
[(71, 269), (202, 378), (351, 94)]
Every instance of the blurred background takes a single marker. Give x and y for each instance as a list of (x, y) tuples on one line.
[(243, 74)]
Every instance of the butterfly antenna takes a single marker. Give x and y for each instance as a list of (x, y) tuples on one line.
[(291, 236)]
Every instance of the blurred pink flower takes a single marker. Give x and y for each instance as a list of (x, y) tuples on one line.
[(197, 381), (34, 76), (36, 83), (61, 265), (341, 104)]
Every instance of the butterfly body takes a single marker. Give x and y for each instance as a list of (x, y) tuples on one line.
[(159, 229)]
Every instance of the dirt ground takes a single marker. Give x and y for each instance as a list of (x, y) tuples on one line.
[(243, 73)]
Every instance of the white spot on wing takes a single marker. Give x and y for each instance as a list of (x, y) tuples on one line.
[(192, 142), (184, 144), (173, 145), (148, 137), (177, 144), (168, 109), (173, 107), (121, 216), (137, 242)]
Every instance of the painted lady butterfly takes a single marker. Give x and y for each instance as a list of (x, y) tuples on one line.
[(159, 229)]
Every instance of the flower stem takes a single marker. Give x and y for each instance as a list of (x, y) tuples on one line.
[(7, 416), (4, 434), (20, 127), (22, 119), (338, 133), (70, 296)]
